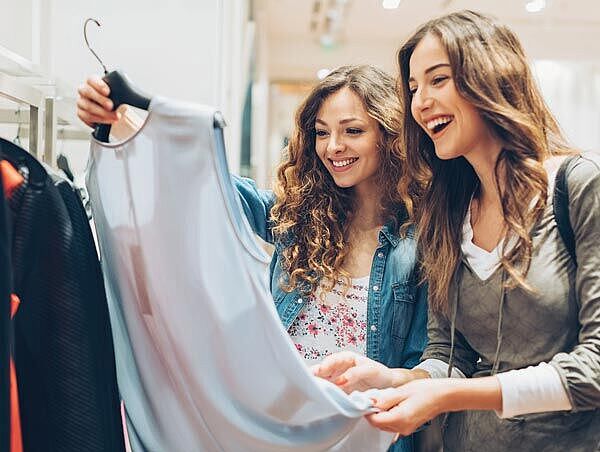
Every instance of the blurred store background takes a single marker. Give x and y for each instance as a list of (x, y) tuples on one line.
[(256, 59)]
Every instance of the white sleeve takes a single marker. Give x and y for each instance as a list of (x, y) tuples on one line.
[(436, 368), (535, 389)]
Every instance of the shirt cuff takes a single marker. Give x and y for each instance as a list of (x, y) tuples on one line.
[(536, 389), (436, 368)]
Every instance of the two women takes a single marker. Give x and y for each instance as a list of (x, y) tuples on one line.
[(508, 304)]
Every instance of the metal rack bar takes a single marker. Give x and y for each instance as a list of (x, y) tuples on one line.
[(50, 131), (23, 94)]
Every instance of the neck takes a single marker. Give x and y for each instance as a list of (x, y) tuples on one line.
[(367, 207), (484, 164)]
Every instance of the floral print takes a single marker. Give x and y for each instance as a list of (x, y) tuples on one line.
[(337, 323)]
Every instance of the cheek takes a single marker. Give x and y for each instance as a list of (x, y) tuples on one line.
[(413, 113), (320, 149)]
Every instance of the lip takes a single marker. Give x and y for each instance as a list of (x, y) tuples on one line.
[(342, 169)]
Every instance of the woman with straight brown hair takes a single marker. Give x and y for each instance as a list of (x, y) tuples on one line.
[(508, 302)]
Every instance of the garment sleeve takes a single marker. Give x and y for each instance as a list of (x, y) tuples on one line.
[(579, 369), (437, 368), (439, 345), (535, 389), (257, 205), (417, 336)]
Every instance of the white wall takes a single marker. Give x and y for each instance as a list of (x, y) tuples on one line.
[(183, 49)]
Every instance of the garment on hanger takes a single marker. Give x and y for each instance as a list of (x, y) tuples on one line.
[(203, 361), (63, 353)]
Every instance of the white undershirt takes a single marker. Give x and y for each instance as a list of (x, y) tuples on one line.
[(535, 389)]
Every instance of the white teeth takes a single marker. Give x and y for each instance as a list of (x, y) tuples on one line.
[(342, 163), (438, 121)]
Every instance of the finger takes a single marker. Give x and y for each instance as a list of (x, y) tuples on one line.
[(335, 365), (89, 92), (93, 109), (99, 85), (389, 397), (90, 119), (395, 420), (387, 427), (356, 378)]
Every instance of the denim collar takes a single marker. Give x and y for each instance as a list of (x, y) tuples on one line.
[(388, 234)]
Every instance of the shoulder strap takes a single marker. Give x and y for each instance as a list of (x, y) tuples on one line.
[(561, 206)]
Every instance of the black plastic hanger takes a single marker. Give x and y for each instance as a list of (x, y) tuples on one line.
[(63, 164), (122, 91)]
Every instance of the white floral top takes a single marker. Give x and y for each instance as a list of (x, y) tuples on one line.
[(339, 322)]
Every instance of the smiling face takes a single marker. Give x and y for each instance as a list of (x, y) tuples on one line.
[(454, 124), (347, 139)]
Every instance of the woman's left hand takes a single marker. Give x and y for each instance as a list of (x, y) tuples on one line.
[(409, 406)]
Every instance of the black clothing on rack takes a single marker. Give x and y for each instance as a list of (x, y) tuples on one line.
[(63, 350)]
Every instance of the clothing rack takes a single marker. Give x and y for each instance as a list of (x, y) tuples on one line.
[(47, 119)]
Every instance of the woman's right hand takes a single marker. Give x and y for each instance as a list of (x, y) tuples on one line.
[(93, 104), (353, 372)]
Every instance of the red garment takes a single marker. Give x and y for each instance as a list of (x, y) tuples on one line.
[(11, 178), (16, 439)]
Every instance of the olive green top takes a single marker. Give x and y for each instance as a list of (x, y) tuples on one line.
[(489, 329)]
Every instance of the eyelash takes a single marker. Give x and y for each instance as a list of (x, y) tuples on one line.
[(435, 81), (353, 131), (350, 130)]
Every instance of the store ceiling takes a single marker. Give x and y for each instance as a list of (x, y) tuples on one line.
[(303, 38)]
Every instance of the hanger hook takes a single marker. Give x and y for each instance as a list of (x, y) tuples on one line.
[(87, 43)]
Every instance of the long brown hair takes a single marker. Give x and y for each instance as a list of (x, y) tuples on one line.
[(311, 213), (491, 71)]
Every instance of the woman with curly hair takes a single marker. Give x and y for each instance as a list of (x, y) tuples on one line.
[(343, 273), (509, 303)]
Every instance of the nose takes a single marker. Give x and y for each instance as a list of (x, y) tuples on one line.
[(421, 100), (335, 144)]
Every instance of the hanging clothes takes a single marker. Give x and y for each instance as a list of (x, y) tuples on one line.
[(203, 361), (63, 351), (5, 325), (11, 180)]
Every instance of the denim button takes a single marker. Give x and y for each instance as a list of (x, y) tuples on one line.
[(373, 328), (380, 254), (299, 300), (375, 288)]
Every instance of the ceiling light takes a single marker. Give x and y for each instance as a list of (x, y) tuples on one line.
[(322, 73), (391, 4), (535, 6)]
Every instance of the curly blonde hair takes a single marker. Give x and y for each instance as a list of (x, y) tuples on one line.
[(311, 212), (490, 70)]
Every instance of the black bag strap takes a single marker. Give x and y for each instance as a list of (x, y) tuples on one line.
[(560, 206)]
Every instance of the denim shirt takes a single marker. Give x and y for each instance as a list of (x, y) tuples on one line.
[(396, 303)]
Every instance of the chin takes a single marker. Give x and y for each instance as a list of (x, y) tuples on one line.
[(342, 183), (446, 154)]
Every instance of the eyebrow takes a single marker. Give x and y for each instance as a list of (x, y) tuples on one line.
[(343, 121), (431, 69)]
